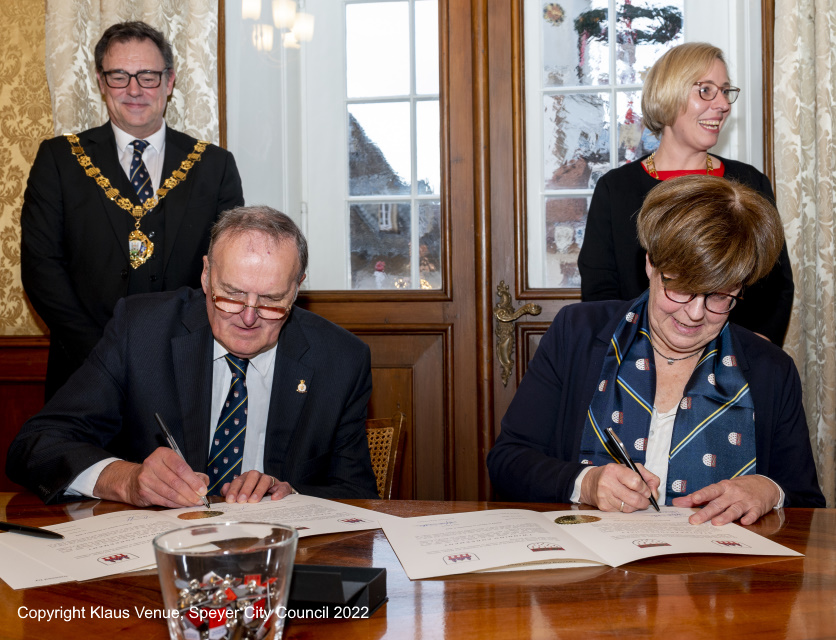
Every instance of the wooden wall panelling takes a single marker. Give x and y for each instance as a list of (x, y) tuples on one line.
[(411, 373), (527, 336), (22, 374)]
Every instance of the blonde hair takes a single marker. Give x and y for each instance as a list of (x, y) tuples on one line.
[(709, 233), (666, 87)]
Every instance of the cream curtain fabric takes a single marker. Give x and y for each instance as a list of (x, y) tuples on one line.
[(805, 170), (74, 26)]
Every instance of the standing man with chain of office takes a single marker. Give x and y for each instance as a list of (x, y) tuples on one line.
[(120, 209)]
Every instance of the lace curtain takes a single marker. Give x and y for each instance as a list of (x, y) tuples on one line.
[(805, 170), (74, 26)]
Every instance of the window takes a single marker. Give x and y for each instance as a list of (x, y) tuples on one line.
[(346, 137), (584, 73)]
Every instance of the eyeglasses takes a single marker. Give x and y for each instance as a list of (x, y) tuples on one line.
[(118, 79), (708, 91), (274, 312), (714, 302)]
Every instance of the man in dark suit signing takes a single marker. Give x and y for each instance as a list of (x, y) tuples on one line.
[(120, 209), (244, 380)]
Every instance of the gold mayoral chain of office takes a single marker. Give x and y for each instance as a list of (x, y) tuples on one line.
[(140, 248)]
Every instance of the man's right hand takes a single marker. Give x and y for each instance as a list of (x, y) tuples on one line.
[(162, 479)]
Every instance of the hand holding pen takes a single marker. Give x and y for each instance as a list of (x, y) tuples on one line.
[(164, 478), (618, 487), (617, 447), (173, 444)]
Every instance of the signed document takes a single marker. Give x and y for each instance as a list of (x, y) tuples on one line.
[(121, 541), (507, 539)]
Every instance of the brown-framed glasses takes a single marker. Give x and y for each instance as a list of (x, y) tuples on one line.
[(708, 91), (267, 312), (714, 302)]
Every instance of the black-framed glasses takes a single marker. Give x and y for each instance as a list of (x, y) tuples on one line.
[(267, 312), (147, 79), (708, 91), (714, 302)]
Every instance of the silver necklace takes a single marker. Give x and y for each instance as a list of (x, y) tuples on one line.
[(672, 360)]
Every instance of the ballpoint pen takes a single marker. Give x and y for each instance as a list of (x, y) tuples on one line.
[(621, 450), (173, 445), (32, 531)]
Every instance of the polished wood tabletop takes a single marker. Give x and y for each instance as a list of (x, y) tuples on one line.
[(686, 596)]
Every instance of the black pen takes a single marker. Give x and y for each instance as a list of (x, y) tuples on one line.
[(32, 531), (626, 459), (173, 445)]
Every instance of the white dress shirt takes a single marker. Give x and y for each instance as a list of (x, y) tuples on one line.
[(153, 156), (259, 384)]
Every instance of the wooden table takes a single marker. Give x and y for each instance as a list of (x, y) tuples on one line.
[(708, 596)]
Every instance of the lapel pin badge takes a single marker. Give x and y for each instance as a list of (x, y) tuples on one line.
[(301, 388)]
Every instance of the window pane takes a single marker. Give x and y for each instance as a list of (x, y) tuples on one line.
[(634, 140), (379, 148), (577, 138), (380, 235), (429, 250), (426, 47), (645, 30), (377, 49), (565, 224), (575, 43), (429, 154)]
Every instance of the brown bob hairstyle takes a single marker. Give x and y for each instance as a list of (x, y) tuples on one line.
[(666, 87), (709, 234)]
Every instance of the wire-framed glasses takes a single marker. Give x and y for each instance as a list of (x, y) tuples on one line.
[(708, 91), (714, 302)]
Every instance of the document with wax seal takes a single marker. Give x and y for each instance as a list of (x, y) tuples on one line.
[(121, 541), (511, 539)]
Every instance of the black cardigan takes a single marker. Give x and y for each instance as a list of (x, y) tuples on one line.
[(611, 261)]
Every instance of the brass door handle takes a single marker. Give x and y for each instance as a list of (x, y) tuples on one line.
[(505, 318)]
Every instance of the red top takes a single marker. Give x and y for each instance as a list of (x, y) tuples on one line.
[(719, 170)]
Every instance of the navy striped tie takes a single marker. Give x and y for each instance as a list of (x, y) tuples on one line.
[(227, 451), (140, 179)]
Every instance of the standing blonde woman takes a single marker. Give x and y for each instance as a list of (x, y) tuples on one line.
[(686, 101)]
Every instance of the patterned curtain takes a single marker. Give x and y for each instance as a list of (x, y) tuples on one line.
[(805, 170), (25, 120), (74, 26)]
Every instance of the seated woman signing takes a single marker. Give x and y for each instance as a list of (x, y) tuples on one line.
[(711, 413)]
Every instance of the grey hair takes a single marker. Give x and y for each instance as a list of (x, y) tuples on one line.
[(274, 224)]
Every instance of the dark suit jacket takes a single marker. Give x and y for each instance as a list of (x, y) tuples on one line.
[(611, 261), (74, 248), (156, 355), (536, 455)]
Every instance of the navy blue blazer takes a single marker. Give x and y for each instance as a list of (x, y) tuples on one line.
[(611, 260), (74, 240), (156, 356), (535, 458)]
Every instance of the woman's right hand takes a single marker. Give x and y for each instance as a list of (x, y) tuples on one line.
[(615, 487)]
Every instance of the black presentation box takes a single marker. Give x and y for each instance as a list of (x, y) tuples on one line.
[(338, 592)]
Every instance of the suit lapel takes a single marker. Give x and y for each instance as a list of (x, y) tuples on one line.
[(288, 396), (177, 147), (100, 145), (192, 362)]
